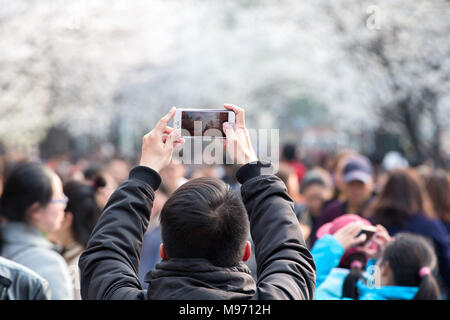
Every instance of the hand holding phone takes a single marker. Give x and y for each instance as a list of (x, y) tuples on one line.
[(237, 142), (379, 242), (158, 144), (350, 235)]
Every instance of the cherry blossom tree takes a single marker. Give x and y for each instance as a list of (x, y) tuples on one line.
[(113, 67)]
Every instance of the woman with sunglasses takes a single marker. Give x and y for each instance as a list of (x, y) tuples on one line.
[(32, 206)]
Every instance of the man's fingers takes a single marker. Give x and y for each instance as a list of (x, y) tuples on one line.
[(162, 123), (231, 141), (168, 130), (229, 132), (172, 138), (240, 114), (179, 140)]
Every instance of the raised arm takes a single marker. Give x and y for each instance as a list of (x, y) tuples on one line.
[(285, 266), (109, 265)]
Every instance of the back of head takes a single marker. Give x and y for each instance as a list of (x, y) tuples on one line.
[(289, 152), (313, 177), (335, 162), (403, 195), (25, 183), (407, 256), (83, 207), (288, 176), (438, 187), (204, 218)]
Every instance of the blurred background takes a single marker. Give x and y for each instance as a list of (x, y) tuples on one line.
[(86, 79)]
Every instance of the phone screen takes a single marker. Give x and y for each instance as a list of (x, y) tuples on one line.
[(197, 123)]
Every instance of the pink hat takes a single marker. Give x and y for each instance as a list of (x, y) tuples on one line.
[(338, 223)]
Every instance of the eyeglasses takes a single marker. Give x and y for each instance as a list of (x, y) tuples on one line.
[(62, 201)]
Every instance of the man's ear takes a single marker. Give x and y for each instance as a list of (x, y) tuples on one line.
[(247, 251), (162, 252)]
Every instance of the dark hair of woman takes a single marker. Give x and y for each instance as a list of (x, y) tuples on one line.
[(402, 196), (83, 206)]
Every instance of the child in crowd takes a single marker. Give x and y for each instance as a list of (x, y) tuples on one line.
[(403, 266)]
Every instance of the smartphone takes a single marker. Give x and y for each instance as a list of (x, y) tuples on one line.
[(369, 231), (191, 123)]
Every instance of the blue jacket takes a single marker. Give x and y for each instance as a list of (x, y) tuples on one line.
[(327, 253)]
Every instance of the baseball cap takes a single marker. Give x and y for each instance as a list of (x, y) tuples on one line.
[(357, 168)]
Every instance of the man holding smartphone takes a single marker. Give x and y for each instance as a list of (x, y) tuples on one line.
[(204, 228)]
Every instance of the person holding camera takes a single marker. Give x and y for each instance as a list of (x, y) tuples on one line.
[(204, 226), (346, 254)]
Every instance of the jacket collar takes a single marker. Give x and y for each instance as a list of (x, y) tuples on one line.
[(199, 279), (19, 233)]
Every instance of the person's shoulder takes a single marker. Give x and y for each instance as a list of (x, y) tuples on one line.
[(430, 226), (14, 270), (422, 219), (46, 257)]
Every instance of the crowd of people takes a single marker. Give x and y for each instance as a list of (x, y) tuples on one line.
[(163, 230)]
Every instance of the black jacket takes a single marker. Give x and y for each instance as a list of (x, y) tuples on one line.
[(286, 269)]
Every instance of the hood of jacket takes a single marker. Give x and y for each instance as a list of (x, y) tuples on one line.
[(198, 279)]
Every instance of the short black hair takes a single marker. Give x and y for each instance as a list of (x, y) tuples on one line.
[(289, 152), (204, 218)]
